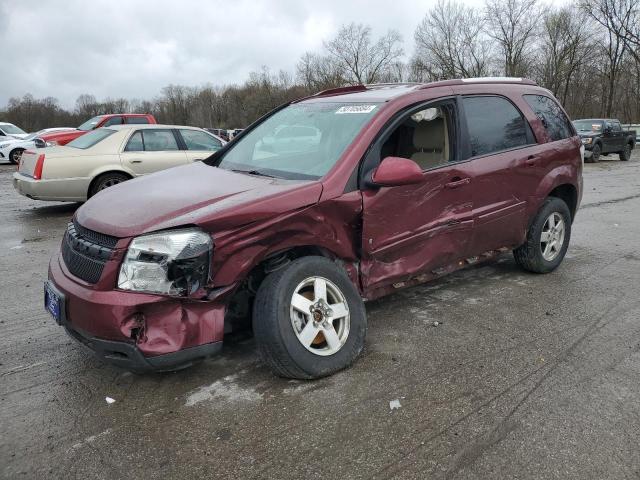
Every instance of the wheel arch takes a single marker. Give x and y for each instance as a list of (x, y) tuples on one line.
[(239, 312), (102, 173), (567, 193)]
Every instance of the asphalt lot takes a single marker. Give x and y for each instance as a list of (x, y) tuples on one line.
[(527, 376)]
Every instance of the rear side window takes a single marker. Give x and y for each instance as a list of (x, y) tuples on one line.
[(88, 140), (551, 115), (113, 121), (198, 140), (616, 126), (152, 141), (135, 143), (137, 120), (494, 124)]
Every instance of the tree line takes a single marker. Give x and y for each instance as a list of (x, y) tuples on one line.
[(586, 53)]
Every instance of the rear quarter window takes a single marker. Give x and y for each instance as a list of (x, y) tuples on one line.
[(138, 120), (551, 115)]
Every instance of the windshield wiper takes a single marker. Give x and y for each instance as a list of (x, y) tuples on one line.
[(253, 172)]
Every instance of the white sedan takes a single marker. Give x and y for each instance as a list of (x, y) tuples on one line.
[(107, 156), (9, 130), (11, 148)]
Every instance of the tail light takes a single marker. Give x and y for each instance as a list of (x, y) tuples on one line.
[(37, 171)]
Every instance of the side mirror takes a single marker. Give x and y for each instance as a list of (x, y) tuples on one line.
[(396, 171)]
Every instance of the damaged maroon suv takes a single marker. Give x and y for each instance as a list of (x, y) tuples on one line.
[(325, 202)]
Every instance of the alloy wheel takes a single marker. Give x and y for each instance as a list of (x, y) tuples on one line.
[(552, 236), (320, 316)]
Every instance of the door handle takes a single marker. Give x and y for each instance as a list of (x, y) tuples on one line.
[(135, 161), (531, 160), (457, 182)]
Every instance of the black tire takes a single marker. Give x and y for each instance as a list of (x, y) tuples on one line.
[(277, 342), (15, 154), (529, 255), (107, 180), (625, 155), (595, 153)]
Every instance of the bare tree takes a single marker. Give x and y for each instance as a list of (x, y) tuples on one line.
[(564, 48), (451, 43), (513, 25), (317, 72), (359, 59), (618, 18)]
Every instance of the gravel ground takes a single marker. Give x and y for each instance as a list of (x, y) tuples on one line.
[(526, 376)]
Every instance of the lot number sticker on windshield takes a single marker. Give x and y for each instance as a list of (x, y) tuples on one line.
[(355, 109)]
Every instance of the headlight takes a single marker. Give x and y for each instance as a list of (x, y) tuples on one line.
[(4, 145), (172, 263), (587, 140)]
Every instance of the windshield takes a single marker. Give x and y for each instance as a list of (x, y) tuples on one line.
[(301, 141), (12, 129), (90, 124), (88, 140), (588, 125)]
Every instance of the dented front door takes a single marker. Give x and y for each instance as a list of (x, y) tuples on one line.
[(415, 229)]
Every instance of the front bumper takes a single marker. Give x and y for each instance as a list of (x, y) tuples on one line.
[(128, 356), (137, 331)]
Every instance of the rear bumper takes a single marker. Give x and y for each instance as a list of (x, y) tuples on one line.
[(139, 332), (73, 190)]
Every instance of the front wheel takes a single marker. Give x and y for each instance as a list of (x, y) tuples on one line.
[(547, 238), (595, 153), (15, 155), (625, 155), (308, 319)]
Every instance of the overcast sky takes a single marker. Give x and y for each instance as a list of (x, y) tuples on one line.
[(132, 48)]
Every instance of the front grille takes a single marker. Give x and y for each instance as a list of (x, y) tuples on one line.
[(95, 237), (85, 252)]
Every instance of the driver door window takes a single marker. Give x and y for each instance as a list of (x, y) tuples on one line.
[(425, 137)]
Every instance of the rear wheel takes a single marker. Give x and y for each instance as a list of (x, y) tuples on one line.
[(308, 319), (625, 155), (107, 180), (15, 155), (547, 238)]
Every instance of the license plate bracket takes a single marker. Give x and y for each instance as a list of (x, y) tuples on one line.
[(54, 302)]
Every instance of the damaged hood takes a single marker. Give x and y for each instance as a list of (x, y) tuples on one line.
[(195, 194)]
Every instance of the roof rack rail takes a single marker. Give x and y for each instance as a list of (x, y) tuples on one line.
[(339, 90), (463, 81), (393, 84)]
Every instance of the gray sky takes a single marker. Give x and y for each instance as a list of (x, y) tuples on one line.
[(132, 48)]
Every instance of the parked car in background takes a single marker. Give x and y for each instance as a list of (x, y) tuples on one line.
[(602, 136), (62, 138), (108, 156), (234, 133), (391, 186), (11, 131), (11, 149), (219, 132)]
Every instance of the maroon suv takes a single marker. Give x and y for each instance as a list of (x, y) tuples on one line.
[(337, 198)]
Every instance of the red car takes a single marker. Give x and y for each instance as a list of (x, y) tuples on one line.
[(322, 204), (62, 138)]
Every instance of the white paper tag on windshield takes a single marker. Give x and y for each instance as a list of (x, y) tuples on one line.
[(355, 109)]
